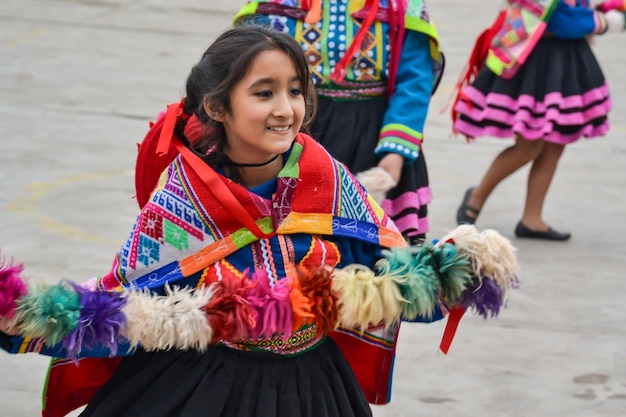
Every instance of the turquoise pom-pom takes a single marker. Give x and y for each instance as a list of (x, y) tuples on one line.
[(50, 312), (454, 270)]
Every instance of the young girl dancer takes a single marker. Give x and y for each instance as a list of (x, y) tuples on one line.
[(375, 64), (260, 278), (542, 86)]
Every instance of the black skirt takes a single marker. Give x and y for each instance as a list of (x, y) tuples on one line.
[(349, 130), (558, 95), (223, 382)]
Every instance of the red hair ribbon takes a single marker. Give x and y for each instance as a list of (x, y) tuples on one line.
[(169, 122)]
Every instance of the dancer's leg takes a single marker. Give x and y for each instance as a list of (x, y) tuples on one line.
[(507, 162), (539, 180)]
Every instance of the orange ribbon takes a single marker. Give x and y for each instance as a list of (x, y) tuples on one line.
[(315, 12)]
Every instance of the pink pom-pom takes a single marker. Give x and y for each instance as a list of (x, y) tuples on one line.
[(12, 287), (274, 315)]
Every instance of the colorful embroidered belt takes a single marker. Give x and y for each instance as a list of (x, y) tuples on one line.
[(299, 342), (354, 90)]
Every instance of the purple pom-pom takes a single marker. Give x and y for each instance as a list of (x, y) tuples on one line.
[(100, 323), (12, 287), (485, 298)]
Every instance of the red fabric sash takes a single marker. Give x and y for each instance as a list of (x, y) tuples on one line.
[(71, 385)]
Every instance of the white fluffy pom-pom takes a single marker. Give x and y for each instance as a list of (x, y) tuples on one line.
[(174, 320), (377, 182), (615, 21)]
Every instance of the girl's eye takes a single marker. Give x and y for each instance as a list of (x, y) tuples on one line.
[(295, 91), (264, 93)]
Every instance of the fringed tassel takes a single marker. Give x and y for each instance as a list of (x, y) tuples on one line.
[(454, 270), (300, 304), (50, 312), (412, 271), (500, 262), (467, 269), (272, 305), (392, 299), (317, 287), (193, 328), (100, 323), (422, 287), (174, 320), (366, 299), (485, 298), (494, 268), (396, 261), (230, 314), (467, 239), (12, 287)]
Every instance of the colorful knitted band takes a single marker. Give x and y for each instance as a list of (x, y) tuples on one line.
[(299, 309), (600, 23), (354, 91), (401, 139)]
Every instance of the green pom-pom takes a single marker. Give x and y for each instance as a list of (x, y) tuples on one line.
[(50, 312), (454, 270), (421, 287), (396, 261)]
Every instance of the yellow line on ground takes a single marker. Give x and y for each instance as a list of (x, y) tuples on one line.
[(29, 198), (25, 38)]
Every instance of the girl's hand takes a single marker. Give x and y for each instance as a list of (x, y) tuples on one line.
[(609, 5), (392, 163), (615, 20), (8, 326)]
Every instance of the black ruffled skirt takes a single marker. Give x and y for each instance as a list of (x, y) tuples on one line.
[(223, 382), (558, 95), (349, 131)]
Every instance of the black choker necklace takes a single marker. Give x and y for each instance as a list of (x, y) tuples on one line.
[(234, 164)]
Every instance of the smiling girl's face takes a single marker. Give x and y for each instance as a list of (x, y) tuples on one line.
[(266, 112)]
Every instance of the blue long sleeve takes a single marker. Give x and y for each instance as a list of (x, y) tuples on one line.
[(403, 123), (575, 22)]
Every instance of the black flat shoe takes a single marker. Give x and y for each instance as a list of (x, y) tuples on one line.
[(550, 234), (461, 214)]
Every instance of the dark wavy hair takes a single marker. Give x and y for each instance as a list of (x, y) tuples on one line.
[(223, 65)]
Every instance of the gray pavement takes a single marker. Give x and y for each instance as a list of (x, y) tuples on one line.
[(80, 79)]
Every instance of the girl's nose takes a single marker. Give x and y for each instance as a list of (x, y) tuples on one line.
[(283, 106)]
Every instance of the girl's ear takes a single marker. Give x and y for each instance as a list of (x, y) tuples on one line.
[(214, 114)]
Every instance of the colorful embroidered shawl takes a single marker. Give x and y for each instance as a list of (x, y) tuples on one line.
[(183, 229), (524, 24)]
